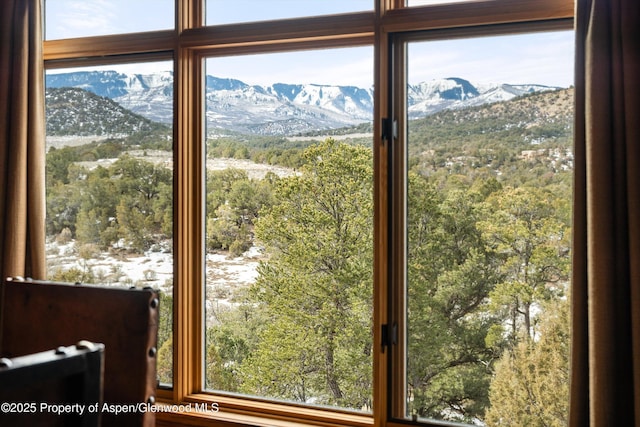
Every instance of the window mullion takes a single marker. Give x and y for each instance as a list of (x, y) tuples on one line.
[(188, 211), (188, 224), (397, 284)]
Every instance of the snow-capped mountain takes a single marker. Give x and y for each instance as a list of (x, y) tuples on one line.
[(281, 108), (284, 108), (455, 93), (430, 97)]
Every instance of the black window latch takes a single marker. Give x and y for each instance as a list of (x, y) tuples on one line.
[(389, 129), (389, 335)]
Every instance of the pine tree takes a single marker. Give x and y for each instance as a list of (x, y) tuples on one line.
[(316, 287), (531, 383)]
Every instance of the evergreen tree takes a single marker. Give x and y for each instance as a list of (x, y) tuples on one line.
[(450, 276), (316, 287), (531, 383), (524, 227)]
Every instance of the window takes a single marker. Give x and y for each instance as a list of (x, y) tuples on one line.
[(484, 251), (221, 12), (289, 215), (354, 205), (109, 181)]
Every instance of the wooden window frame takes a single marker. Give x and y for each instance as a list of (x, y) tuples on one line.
[(188, 45), (398, 186)]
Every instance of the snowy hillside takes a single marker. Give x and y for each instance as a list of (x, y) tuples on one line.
[(281, 108)]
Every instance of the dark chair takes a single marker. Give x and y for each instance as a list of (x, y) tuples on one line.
[(61, 387), (40, 315)]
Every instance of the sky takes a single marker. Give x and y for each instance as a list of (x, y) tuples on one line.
[(543, 58)]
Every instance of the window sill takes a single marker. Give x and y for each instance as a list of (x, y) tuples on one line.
[(206, 411)]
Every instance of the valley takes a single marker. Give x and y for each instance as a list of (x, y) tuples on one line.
[(286, 221)]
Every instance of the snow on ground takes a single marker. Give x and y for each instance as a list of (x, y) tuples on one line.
[(253, 170), (225, 275), (155, 268)]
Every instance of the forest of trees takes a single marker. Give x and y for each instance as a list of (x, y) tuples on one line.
[(487, 264)]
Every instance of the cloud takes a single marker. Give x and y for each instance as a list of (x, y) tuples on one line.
[(73, 18), (79, 18)]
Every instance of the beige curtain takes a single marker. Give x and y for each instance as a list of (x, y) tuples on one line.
[(605, 388), (22, 179)]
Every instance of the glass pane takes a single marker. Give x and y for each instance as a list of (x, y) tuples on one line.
[(489, 172), (82, 18), (289, 226), (224, 12), (109, 182)]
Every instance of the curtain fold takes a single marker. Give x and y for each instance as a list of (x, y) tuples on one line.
[(22, 139), (605, 382)]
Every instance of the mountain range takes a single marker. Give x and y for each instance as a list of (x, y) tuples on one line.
[(280, 108)]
